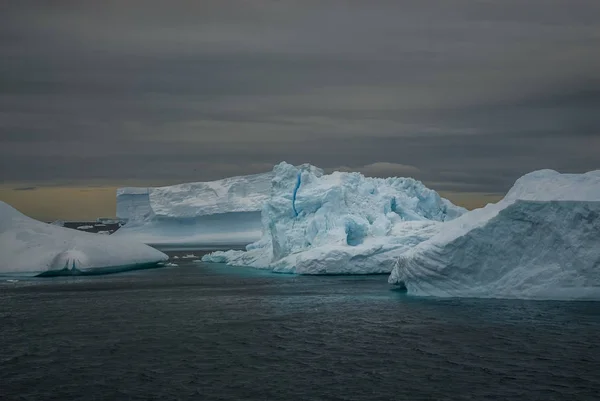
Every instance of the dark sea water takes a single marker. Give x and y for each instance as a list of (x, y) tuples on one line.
[(209, 332)]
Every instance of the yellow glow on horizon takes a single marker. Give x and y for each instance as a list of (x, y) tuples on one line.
[(89, 203), (64, 203)]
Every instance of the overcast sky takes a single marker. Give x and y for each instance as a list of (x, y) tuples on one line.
[(465, 95)]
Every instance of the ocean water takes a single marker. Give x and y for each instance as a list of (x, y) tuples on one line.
[(211, 332)]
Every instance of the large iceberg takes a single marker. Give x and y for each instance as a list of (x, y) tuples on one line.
[(541, 241), (30, 247), (341, 223), (194, 215)]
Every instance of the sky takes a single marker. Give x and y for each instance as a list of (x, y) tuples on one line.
[(466, 96)]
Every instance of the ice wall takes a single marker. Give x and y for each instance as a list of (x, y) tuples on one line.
[(195, 215), (541, 241), (133, 203)]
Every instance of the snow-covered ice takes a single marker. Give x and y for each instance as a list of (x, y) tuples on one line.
[(30, 247), (86, 227), (194, 215), (341, 223), (541, 241)]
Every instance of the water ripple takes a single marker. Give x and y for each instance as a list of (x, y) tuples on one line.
[(198, 332)]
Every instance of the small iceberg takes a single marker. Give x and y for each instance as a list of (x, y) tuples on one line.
[(30, 247)]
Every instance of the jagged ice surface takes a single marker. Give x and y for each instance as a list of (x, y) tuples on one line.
[(223, 212), (341, 223), (541, 241), (30, 247)]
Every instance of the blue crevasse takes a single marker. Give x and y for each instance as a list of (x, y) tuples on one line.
[(346, 225), (296, 188)]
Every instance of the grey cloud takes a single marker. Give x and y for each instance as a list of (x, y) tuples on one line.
[(24, 188), (471, 94), (381, 169)]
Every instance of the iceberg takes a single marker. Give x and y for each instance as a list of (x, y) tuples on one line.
[(542, 241), (30, 247), (86, 227), (195, 215), (341, 223)]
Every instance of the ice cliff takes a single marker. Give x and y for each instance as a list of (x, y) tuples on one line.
[(200, 214), (341, 223), (30, 247), (541, 241)]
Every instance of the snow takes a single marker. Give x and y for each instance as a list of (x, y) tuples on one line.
[(341, 223), (30, 247), (195, 215), (85, 227), (539, 242)]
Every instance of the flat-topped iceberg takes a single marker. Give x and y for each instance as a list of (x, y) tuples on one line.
[(195, 215), (541, 241), (30, 247), (341, 223)]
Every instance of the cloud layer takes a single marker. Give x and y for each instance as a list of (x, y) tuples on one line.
[(466, 95)]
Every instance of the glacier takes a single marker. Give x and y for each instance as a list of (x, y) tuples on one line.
[(195, 215), (31, 248), (542, 241), (340, 223)]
